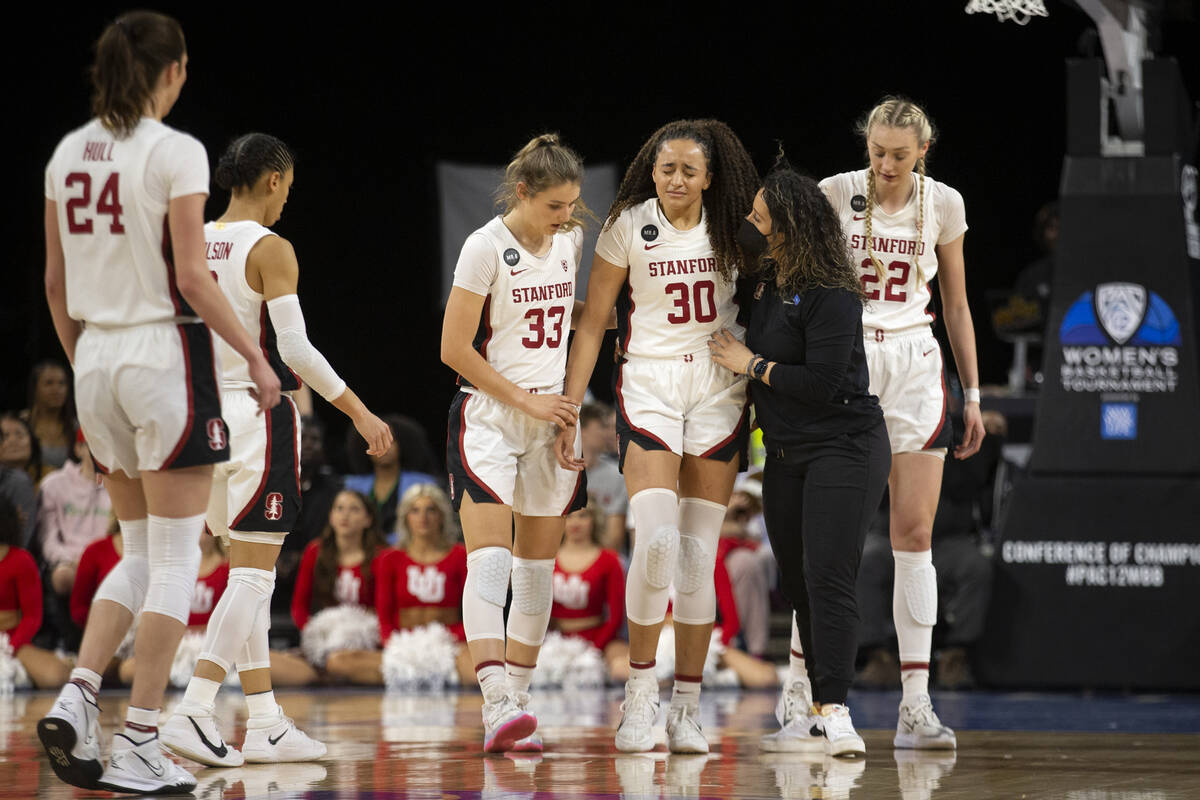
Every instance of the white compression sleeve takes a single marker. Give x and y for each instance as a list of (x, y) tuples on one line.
[(291, 337)]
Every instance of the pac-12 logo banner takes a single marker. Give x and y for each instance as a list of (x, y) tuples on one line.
[(1121, 337)]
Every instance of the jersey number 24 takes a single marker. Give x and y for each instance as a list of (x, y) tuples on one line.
[(108, 203)]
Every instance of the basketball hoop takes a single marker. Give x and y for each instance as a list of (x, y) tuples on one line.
[(1019, 11)]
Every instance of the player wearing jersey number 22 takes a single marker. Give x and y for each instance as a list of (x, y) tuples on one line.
[(128, 287)]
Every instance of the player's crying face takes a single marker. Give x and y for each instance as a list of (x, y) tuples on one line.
[(680, 174)]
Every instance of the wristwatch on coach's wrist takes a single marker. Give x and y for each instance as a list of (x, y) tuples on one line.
[(760, 369)]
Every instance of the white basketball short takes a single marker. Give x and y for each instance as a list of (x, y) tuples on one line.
[(908, 377), (256, 494), (147, 397), (498, 454), (687, 404)]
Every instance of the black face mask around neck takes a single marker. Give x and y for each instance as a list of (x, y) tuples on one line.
[(752, 241)]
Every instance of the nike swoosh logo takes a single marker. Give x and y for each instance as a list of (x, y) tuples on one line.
[(652, 246), (858, 218), (517, 271), (219, 752), (275, 741), (158, 771), (816, 731), (927, 352)]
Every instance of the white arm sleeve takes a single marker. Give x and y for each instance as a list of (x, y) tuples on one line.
[(297, 352)]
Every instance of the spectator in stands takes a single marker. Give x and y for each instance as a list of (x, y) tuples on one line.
[(597, 434), (751, 567), (409, 461), (319, 485), (17, 488), (19, 448), (21, 612), (51, 412), (334, 602), (589, 584), (73, 512)]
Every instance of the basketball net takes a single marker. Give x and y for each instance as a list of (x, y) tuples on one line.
[(1019, 11)]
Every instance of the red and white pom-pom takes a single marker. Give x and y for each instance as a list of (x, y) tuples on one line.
[(186, 656), (569, 662), (421, 658), (125, 648), (712, 676), (346, 627), (12, 672)]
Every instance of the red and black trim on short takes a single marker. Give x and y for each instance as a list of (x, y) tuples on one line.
[(579, 496), (275, 506), (943, 435), (736, 443), (182, 309), (462, 477), (205, 436)]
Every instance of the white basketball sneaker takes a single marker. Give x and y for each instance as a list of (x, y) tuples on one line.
[(143, 768), (505, 723), (533, 742), (635, 734), (795, 700), (918, 728), (280, 742), (683, 730), (803, 734), (197, 737), (842, 739), (70, 734)]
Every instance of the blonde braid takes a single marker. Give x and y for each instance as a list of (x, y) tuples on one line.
[(867, 214), (920, 221)]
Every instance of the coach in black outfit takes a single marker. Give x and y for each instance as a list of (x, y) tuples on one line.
[(827, 449)]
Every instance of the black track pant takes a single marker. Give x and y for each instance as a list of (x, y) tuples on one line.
[(818, 500)]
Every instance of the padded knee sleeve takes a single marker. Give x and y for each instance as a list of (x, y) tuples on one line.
[(484, 592), (174, 545), (126, 583), (655, 554), (533, 595), (695, 587), (914, 604), (256, 652), (246, 595)]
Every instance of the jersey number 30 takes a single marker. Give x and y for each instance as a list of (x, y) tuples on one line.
[(108, 203), (894, 288), (701, 299), (537, 327)]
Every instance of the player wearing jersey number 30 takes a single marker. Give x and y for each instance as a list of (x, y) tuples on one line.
[(256, 495), (903, 229), (128, 287), (668, 256), (515, 286)]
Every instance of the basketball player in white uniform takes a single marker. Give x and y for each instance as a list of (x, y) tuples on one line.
[(128, 290), (256, 495), (515, 285), (903, 229), (667, 257)]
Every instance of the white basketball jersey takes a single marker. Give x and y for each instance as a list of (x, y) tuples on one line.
[(673, 298), (527, 314), (227, 245), (899, 301), (112, 197)]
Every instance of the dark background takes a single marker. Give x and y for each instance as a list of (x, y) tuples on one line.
[(372, 98)]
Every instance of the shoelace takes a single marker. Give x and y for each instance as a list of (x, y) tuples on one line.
[(678, 713), (642, 705)]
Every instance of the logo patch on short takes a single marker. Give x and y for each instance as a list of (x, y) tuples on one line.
[(564, 264), (512, 257), (649, 232), (858, 203), (217, 438), (273, 508)]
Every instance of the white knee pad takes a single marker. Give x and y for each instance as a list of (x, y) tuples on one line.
[(533, 595), (485, 591), (174, 545), (256, 652), (655, 554), (244, 600), (126, 583), (914, 604), (695, 587)]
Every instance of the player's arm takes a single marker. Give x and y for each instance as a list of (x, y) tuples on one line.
[(185, 215), (56, 284), (463, 312), (952, 283), (273, 260), (577, 314)]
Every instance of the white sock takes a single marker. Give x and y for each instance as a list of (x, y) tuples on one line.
[(140, 724), (199, 698), (86, 678), (642, 671), (262, 709), (915, 682), (492, 680), (686, 691), (519, 676), (797, 669)]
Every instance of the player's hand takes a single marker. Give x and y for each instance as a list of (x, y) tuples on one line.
[(564, 450), (728, 352), (377, 433), (556, 408), (266, 384), (974, 432)]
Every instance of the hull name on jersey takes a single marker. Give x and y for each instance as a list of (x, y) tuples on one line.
[(687, 266), (98, 151), (218, 251), (537, 294), (902, 247)]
